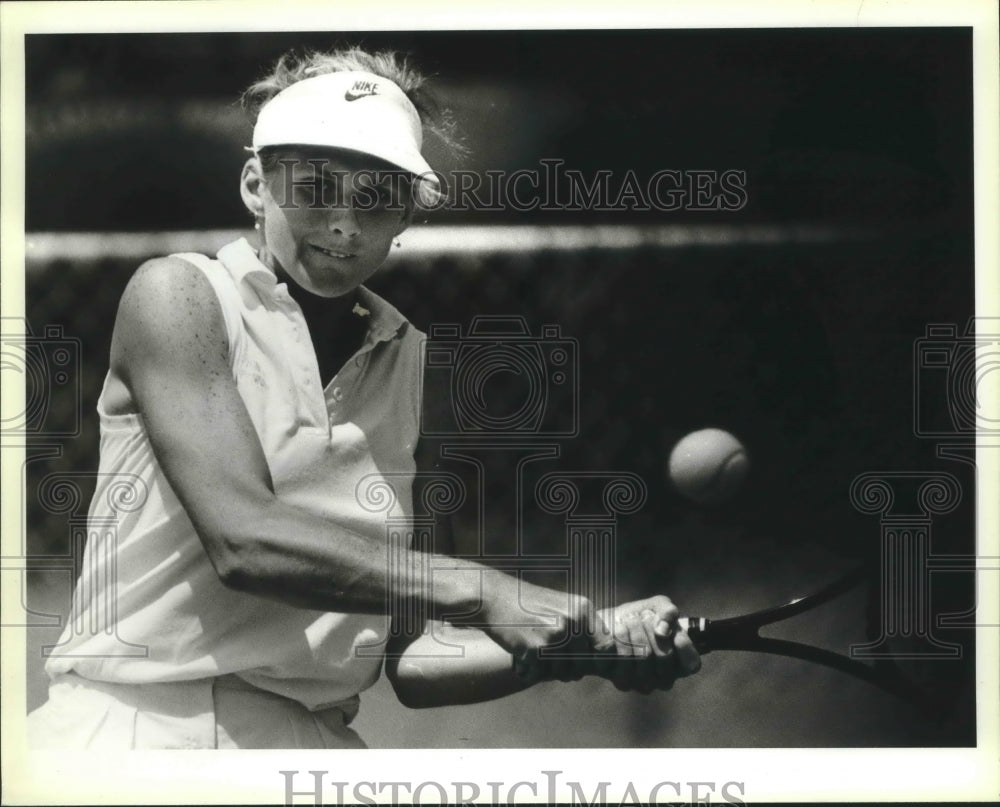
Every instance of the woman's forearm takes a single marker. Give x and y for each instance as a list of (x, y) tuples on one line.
[(450, 666), (300, 559)]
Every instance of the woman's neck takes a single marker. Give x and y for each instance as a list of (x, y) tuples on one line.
[(336, 331), (318, 310)]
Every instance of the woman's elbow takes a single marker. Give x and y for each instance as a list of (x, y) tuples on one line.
[(237, 536), (234, 577), (409, 684), (231, 558), (412, 699)]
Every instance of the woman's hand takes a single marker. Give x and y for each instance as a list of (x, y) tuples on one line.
[(528, 620), (651, 649), (645, 649)]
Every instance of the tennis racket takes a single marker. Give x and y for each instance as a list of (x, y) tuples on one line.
[(742, 633)]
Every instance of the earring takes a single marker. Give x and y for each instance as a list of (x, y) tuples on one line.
[(256, 224)]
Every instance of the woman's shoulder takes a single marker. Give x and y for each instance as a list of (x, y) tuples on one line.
[(169, 321), (166, 269), (168, 288)]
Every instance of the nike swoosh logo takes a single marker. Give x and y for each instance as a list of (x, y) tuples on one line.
[(352, 95)]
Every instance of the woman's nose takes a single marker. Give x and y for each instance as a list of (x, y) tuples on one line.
[(344, 220)]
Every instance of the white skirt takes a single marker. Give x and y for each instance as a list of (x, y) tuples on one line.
[(224, 712)]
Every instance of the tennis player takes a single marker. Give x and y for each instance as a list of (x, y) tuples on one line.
[(248, 395)]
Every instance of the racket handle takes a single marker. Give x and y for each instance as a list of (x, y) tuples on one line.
[(696, 628)]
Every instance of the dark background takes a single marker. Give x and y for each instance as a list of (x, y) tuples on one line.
[(870, 126), (804, 350)]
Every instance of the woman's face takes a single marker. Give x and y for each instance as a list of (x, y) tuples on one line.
[(329, 217)]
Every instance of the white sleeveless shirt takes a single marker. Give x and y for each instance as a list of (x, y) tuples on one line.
[(149, 607)]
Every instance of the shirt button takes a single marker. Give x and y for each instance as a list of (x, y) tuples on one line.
[(338, 394)]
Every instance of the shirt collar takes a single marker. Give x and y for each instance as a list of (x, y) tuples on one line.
[(241, 260), (386, 322)]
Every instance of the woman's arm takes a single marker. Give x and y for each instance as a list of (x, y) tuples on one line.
[(170, 352), (450, 666)]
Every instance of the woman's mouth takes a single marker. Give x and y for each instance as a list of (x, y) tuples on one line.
[(332, 253)]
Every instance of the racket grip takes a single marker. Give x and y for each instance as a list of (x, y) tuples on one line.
[(695, 627), (697, 630)]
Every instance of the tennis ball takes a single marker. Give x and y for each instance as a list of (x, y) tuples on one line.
[(708, 466)]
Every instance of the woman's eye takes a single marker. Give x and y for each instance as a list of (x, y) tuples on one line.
[(327, 192), (372, 197), (312, 192)]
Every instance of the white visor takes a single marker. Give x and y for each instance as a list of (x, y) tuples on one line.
[(358, 111)]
